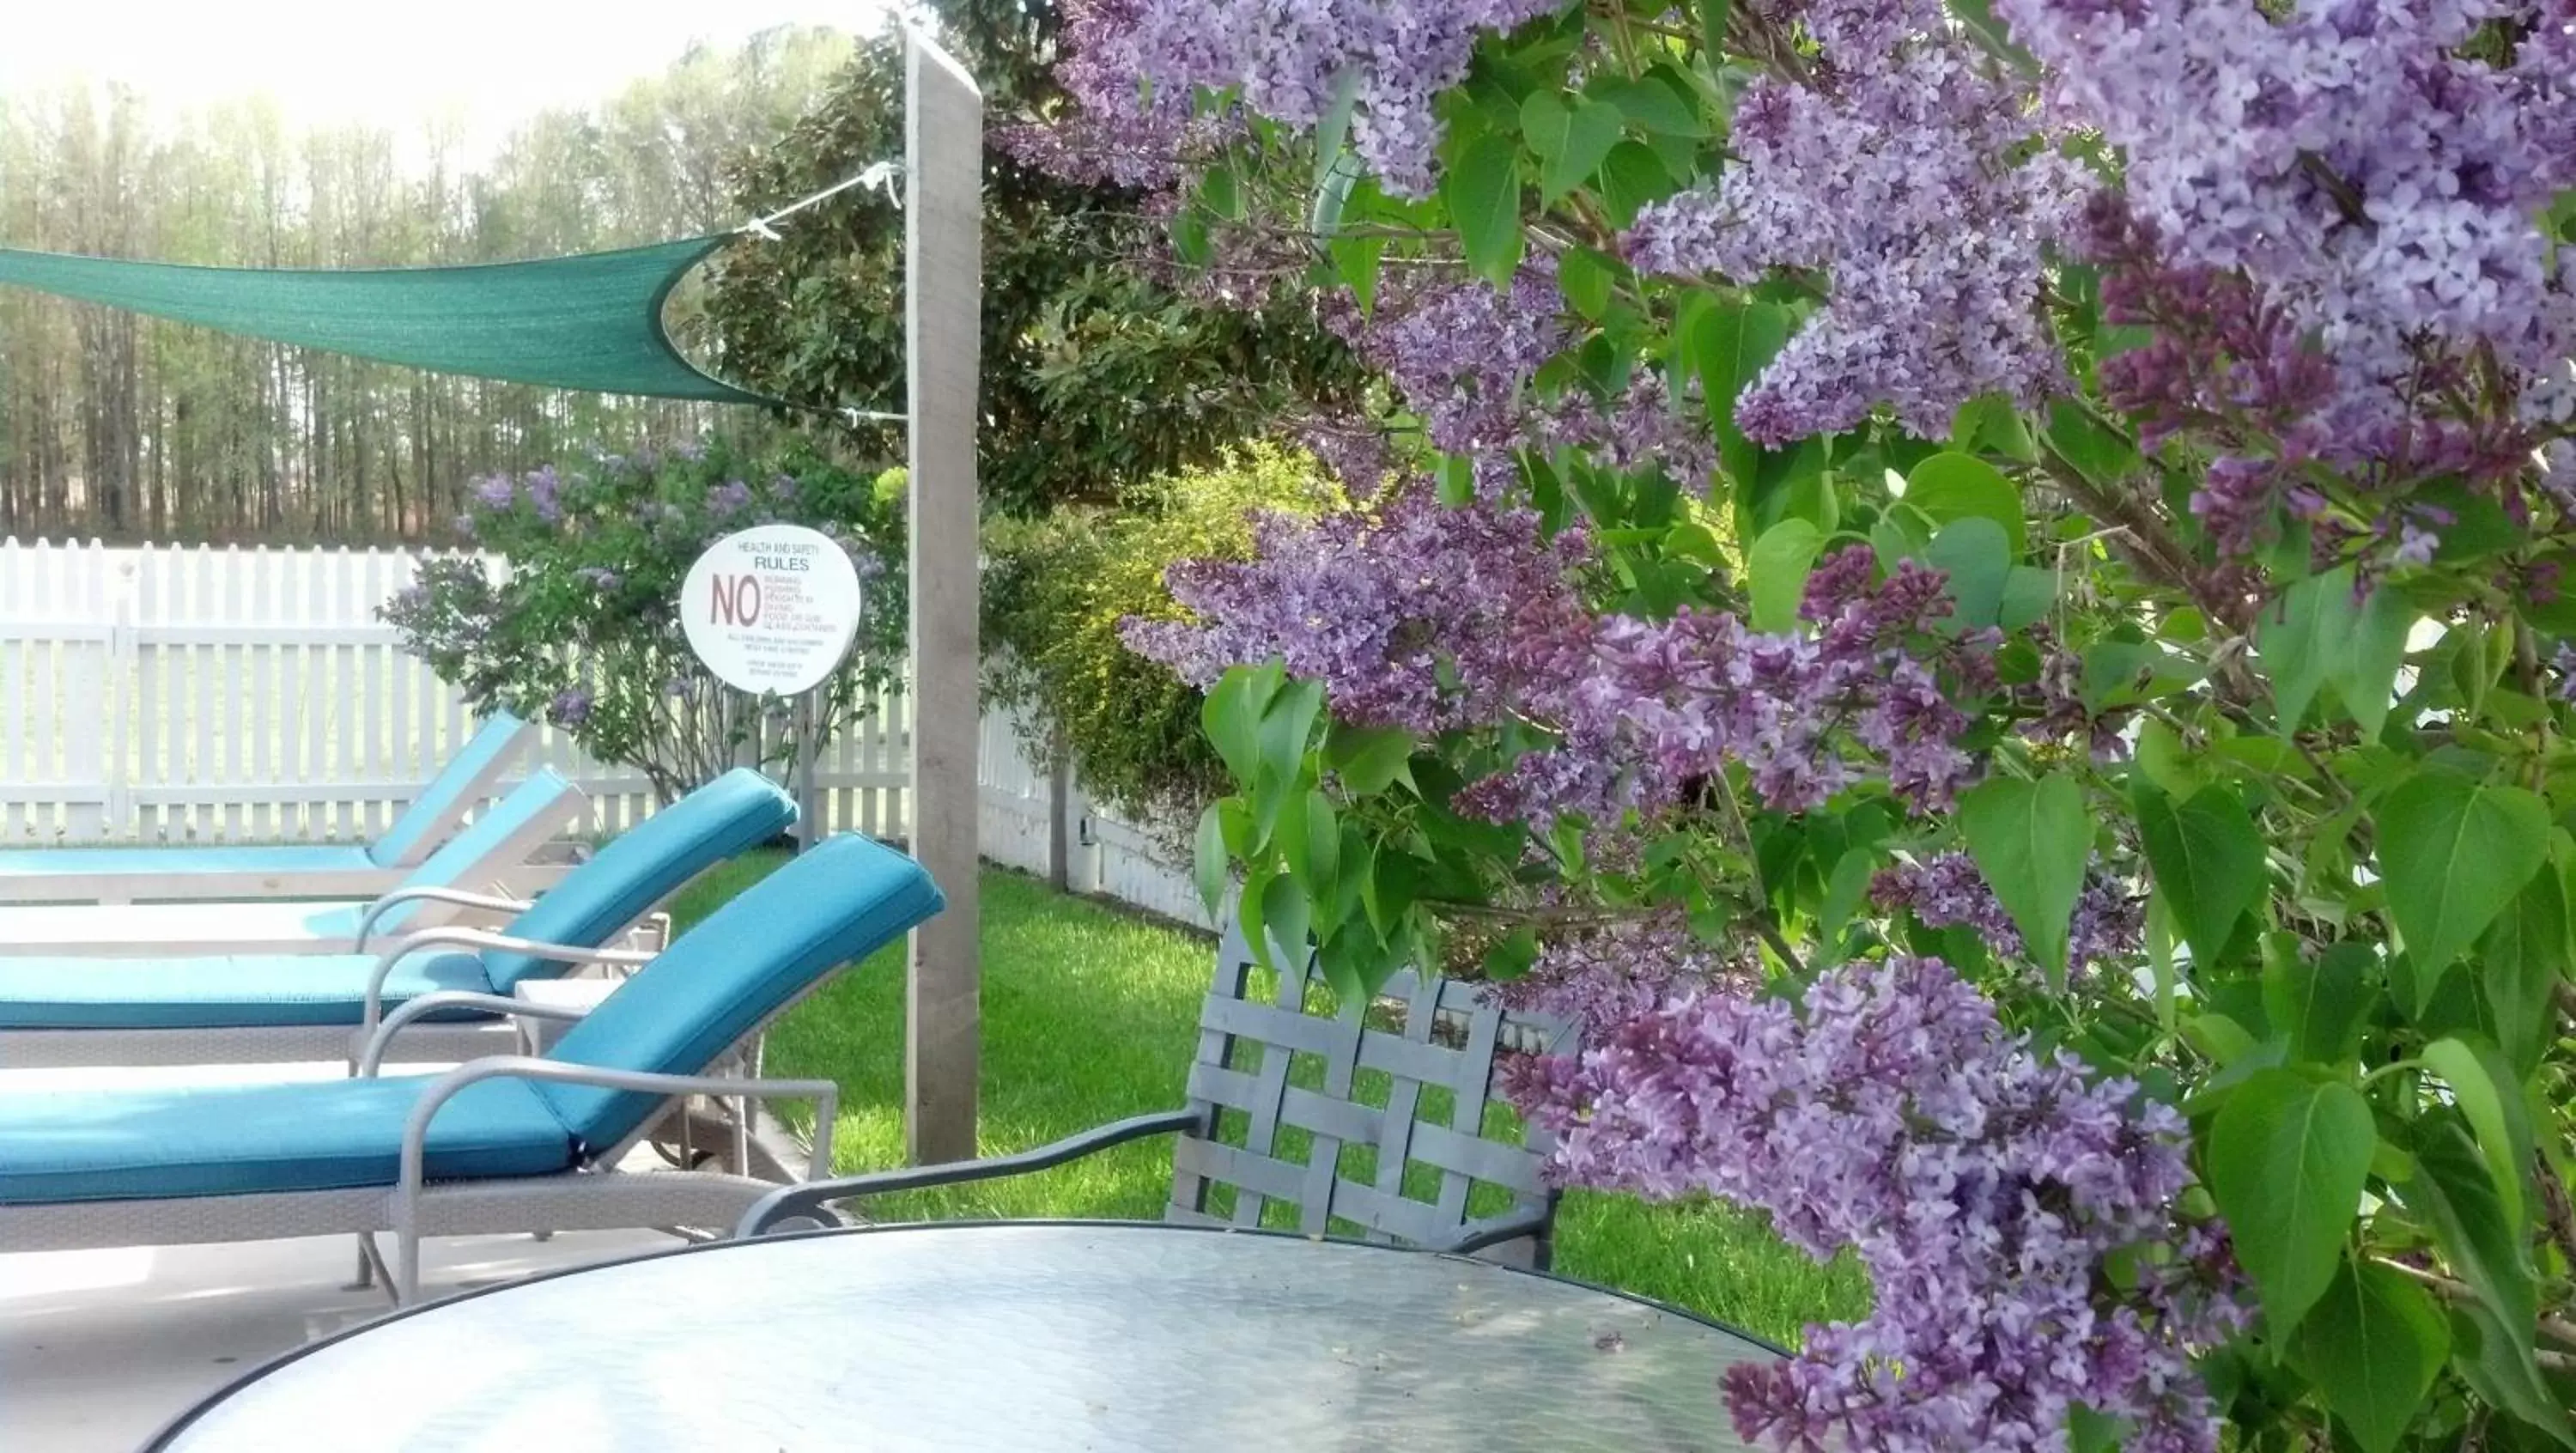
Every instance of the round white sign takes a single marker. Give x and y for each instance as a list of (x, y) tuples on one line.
[(772, 609)]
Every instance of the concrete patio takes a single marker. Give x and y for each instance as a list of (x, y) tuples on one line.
[(100, 1349)]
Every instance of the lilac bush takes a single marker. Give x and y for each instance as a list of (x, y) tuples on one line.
[(1416, 616), (1989, 612), (1984, 1186), (577, 620), (1289, 59), (1894, 183)]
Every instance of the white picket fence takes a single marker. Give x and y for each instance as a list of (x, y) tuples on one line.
[(192, 694)]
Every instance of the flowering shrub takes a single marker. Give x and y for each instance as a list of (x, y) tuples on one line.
[(1057, 588), (1990, 614), (580, 624)]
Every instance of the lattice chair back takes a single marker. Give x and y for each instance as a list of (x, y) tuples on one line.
[(1355, 1125)]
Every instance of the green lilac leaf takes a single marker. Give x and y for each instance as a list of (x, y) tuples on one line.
[(2287, 1158), (2454, 850), (2374, 1346), (2208, 861), (1777, 570), (1951, 486), (2031, 841), (1483, 190)]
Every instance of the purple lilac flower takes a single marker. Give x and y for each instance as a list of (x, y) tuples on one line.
[(1415, 614), (1463, 356), (2558, 473), (1644, 426), (465, 529), (2415, 544), (1985, 1190), (728, 498), (1463, 353), (1900, 179), (1663, 706), (1352, 450), (543, 488), (1601, 978), (569, 708), (495, 491), (599, 577), (2330, 216), (1124, 130), (1136, 64), (2238, 127), (1946, 890)]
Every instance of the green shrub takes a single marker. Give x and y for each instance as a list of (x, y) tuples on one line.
[(1056, 588)]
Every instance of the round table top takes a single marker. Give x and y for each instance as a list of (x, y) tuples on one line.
[(998, 1335)]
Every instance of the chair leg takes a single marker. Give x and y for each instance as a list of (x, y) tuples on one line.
[(404, 1284), (371, 1267)]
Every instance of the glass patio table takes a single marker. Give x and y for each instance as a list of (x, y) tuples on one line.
[(1002, 1336)]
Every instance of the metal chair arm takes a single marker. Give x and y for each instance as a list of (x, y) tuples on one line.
[(488, 902), (788, 1201), (462, 936), (825, 1094), (411, 1011), (1521, 1227)]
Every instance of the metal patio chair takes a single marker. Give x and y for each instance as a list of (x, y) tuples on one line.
[(1238, 1137)]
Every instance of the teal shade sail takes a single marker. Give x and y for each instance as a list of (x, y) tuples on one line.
[(591, 321)]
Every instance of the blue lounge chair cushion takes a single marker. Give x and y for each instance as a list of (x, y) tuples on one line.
[(230, 992), (437, 804), (645, 864), (497, 823), (840, 900), (150, 1144), (282, 862), (750, 958)]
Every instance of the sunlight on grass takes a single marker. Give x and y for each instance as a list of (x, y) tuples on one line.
[(1091, 1015)]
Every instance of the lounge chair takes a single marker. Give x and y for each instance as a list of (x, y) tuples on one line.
[(260, 1010), (319, 870), (1383, 1137), (462, 875), (503, 1144)]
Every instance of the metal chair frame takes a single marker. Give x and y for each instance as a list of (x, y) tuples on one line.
[(1332, 1118)]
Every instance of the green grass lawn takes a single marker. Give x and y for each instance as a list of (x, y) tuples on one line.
[(1090, 1015)]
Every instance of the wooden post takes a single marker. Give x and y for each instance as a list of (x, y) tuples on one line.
[(809, 747), (1059, 811), (943, 223)]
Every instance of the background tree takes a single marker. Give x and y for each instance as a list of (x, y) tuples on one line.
[(1098, 372), (125, 427), (1113, 385)]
